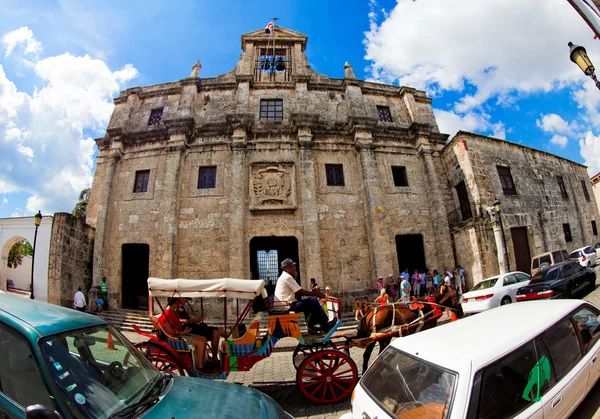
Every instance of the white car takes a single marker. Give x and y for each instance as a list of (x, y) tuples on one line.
[(509, 362), (585, 255), (494, 292)]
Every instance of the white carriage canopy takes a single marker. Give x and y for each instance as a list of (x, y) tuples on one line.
[(244, 289)]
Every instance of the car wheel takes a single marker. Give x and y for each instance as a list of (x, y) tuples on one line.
[(544, 265), (593, 284), (505, 301)]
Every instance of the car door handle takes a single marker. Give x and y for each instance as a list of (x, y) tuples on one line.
[(556, 402)]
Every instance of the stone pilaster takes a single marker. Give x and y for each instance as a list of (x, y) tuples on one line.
[(112, 160), (236, 204), (170, 193), (378, 232), (499, 239), (310, 215)]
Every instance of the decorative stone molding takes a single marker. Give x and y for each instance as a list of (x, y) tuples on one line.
[(272, 186)]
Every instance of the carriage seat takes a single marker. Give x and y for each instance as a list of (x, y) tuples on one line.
[(247, 343), (176, 342)]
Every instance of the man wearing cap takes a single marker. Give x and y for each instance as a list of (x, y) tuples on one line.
[(288, 295)]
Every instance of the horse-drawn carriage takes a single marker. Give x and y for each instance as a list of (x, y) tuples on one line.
[(325, 372)]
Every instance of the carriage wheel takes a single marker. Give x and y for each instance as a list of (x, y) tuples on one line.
[(327, 377), (302, 351), (160, 357)]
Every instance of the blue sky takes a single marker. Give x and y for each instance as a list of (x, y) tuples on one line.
[(497, 67)]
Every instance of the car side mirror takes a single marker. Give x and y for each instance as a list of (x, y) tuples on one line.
[(37, 411)]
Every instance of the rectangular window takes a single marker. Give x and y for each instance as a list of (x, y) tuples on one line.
[(271, 109), (207, 177), (334, 174), (506, 180), (399, 174), (594, 228), (585, 191), (561, 186), (463, 200), (155, 116), (567, 231), (384, 113), (141, 181)]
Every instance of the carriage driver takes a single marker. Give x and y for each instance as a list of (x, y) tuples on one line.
[(288, 295), (200, 332)]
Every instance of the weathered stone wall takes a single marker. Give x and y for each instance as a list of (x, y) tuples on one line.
[(538, 204), (70, 259)]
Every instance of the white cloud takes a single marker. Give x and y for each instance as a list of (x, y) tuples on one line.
[(503, 48), (21, 37), (553, 123), (559, 140), (451, 122), (590, 151), (4, 200), (43, 149)]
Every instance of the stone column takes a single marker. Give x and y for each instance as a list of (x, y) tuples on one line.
[(170, 196), (378, 232), (111, 161), (310, 215), (437, 206), (499, 239), (237, 204)]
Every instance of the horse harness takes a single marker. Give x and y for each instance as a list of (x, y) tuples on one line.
[(393, 327)]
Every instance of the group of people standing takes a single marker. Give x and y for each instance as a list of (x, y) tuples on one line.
[(422, 283)]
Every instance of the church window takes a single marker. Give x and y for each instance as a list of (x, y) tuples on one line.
[(585, 191), (463, 200), (141, 181), (271, 109), (155, 116), (561, 186), (567, 233), (384, 113), (272, 60), (207, 177), (399, 175), (334, 174), (506, 180)]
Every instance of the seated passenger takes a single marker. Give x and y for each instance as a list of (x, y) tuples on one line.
[(171, 323)]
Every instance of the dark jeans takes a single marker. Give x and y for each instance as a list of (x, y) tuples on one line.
[(311, 306), (105, 300), (80, 308)]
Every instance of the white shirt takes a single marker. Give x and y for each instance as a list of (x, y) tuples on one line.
[(448, 280), (285, 291), (79, 300)]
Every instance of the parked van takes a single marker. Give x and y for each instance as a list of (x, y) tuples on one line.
[(506, 362), (545, 260)]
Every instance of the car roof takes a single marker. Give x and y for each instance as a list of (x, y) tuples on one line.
[(484, 337), (33, 318)]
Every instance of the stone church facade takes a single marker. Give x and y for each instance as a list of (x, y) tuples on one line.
[(227, 176)]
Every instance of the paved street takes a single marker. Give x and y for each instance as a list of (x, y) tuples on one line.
[(275, 376)]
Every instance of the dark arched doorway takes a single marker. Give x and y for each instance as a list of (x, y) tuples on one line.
[(266, 255)]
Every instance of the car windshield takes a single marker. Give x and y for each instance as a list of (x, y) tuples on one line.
[(97, 371), (575, 255), (485, 284), (409, 387), (545, 275)]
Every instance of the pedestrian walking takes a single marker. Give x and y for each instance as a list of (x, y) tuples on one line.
[(104, 292), (436, 281), (429, 283), (405, 290), (448, 278), (79, 300), (313, 285), (416, 283), (358, 310), (379, 285), (392, 288), (422, 283)]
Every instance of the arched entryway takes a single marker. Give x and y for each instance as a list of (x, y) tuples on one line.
[(18, 275)]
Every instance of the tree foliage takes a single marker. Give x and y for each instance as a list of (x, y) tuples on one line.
[(16, 253), (80, 210)]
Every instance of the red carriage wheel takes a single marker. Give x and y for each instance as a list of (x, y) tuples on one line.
[(327, 377), (302, 351), (160, 357)]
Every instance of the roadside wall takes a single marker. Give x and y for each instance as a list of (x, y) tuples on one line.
[(70, 260)]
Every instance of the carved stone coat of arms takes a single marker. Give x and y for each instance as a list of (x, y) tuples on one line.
[(272, 187)]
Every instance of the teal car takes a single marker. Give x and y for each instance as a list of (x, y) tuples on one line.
[(57, 362)]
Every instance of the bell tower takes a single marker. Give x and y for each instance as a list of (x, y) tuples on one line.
[(274, 55)]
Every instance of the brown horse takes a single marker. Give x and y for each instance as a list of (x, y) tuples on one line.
[(398, 315)]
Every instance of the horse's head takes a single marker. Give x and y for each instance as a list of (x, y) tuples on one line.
[(450, 299)]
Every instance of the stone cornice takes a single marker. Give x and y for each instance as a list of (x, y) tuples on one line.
[(417, 129), (304, 119), (180, 126)]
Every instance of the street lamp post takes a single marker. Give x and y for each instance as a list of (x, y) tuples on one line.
[(579, 56), (498, 209), (38, 221)]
